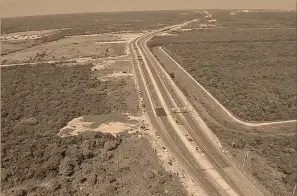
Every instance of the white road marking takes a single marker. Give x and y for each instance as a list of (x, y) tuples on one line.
[(201, 160)]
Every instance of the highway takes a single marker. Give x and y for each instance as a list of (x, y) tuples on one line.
[(184, 136)]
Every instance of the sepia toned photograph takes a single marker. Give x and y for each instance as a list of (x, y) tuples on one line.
[(148, 98)]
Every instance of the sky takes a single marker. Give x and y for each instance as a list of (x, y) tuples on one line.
[(11, 8)]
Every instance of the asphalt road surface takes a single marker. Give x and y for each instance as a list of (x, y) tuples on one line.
[(183, 136)]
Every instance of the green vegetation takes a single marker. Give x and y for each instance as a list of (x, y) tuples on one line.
[(15, 46), (37, 101), (252, 72), (86, 23), (255, 19), (272, 157), (89, 23)]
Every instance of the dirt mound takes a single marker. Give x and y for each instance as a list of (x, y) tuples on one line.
[(101, 123)]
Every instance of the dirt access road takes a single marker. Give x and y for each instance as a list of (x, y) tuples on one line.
[(209, 107), (237, 138), (227, 112), (204, 161)]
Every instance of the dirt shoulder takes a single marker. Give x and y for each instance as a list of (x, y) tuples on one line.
[(268, 146), (249, 69)]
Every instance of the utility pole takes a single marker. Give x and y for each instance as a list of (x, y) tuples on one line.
[(245, 158)]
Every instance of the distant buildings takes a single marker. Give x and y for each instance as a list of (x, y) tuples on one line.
[(203, 25), (207, 14), (19, 37), (212, 20), (245, 11)]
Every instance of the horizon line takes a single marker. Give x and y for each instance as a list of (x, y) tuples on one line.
[(150, 10)]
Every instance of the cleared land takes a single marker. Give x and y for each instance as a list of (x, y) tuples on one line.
[(47, 29), (15, 42), (68, 48), (91, 23), (249, 69), (42, 103), (37, 101), (61, 114)]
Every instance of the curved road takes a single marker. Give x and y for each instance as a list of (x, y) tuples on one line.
[(183, 135), (249, 124)]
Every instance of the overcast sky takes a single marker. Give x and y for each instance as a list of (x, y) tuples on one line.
[(10, 8)]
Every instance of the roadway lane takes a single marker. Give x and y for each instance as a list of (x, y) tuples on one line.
[(161, 124), (168, 92), (219, 163), (197, 134)]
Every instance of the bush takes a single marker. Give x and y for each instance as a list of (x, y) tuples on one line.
[(172, 75)]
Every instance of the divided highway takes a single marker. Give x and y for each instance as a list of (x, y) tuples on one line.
[(182, 134)]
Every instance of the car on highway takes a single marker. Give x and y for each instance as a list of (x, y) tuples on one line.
[(190, 139), (176, 120)]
